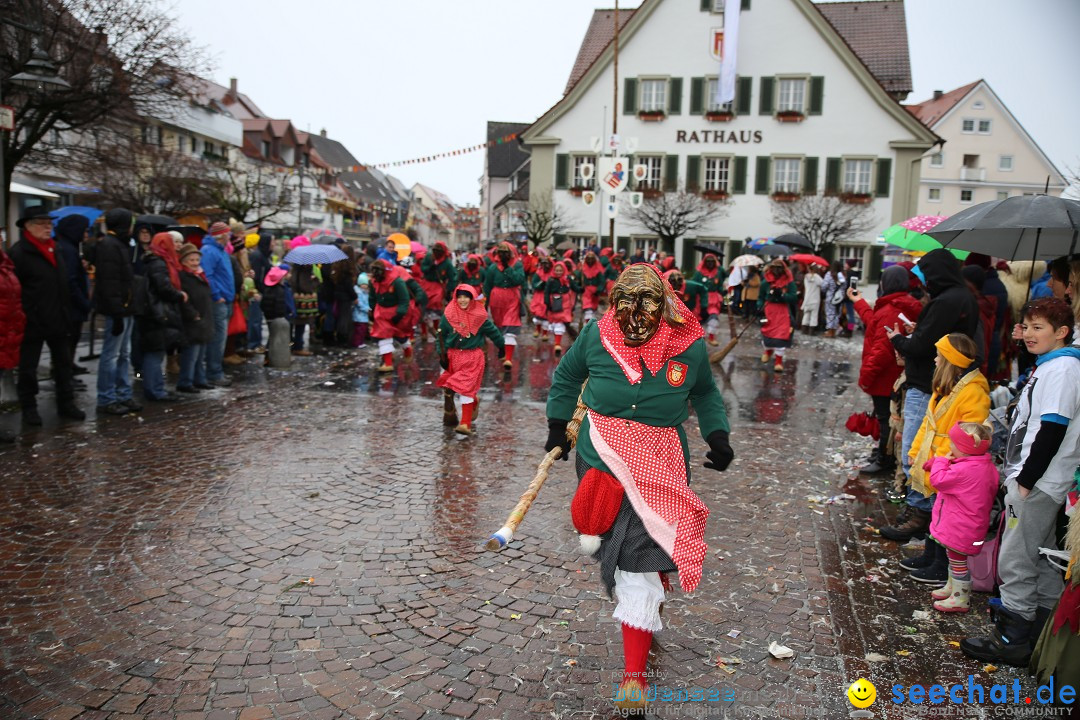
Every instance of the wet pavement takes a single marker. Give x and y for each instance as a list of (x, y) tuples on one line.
[(308, 544)]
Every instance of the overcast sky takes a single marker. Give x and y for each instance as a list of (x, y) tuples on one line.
[(398, 79)]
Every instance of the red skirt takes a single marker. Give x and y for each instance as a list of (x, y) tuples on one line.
[(536, 305), (382, 328), (567, 313), (466, 372), (716, 303), (434, 291), (778, 327), (590, 298), (505, 306)]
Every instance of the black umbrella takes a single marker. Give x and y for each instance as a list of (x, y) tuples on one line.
[(707, 248), (1022, 227), (794, 240), (772, 250), (156, 222)]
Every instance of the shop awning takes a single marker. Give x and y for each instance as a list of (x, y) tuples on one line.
[(20, 189)]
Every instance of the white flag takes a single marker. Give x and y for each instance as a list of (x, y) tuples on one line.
[(725, 91)]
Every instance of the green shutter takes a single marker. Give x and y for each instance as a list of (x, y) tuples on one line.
[(761, 175), (557, 238), (693, 173), (817, 94), (706, 5), (833, 167), (629, 96), (884, 176), (744, 88), (674, 106), (745, 4), (765, 103), (738, 181), (671, 173), (622, 242), (697, 95), (562, 171), (810, 169), (631, 183)]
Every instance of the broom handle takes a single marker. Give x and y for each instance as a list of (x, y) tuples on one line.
[(506, 533)]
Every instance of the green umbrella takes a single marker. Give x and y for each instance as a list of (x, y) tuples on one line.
[(900, 236)]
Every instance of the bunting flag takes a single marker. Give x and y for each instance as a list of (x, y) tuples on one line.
[(429, 158)]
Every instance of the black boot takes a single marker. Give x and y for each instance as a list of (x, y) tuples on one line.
[(880, 465), (1010, 640), (30, 416), (912, 522), (918, 562), (937, 572)]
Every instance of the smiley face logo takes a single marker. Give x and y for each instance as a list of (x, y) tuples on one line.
[(862, 693)]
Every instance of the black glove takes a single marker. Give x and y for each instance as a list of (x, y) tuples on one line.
[(557, 437), (502, 352), (398, 317), (444, 361), (720, 453), (118, 326)]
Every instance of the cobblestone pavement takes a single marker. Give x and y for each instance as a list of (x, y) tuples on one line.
[(308, 544)]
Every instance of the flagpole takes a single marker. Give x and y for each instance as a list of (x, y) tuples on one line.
[(615, 115)]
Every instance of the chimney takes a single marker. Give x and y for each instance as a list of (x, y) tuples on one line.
[(322, 133), (232, 86), (938, 94)]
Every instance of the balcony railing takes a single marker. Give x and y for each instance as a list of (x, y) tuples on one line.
[(973, 174)]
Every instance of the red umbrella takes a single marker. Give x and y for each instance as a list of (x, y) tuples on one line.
[(809, 259)]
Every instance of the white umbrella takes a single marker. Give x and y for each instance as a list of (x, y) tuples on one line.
[(747, 260)]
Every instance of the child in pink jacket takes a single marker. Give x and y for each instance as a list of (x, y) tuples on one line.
[(966, 481)]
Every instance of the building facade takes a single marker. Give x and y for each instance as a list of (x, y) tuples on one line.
[(987, 153), (808, 117)]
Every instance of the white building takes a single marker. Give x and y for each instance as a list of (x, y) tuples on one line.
[(810, 115), (987, 154)]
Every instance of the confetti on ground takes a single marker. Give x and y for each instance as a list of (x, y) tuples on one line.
[(875, 657), (779, 651), (903, 653), (734, 634), (920, 615), (990, 668)]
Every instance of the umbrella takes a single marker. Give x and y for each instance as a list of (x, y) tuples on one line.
[(758, 242), (773, 250), (91, 214), (746, 260), (566, 245), (809, 259), (324, 236), (794, 240), (156, 222), (192, 233), (914, 241), (1022, 227), (707, 248), (417, 250), (314, 255)]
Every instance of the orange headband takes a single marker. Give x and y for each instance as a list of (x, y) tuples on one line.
[(951, 354)]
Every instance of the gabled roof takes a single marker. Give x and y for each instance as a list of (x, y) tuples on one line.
[(504, 158), (445, 203), (877, 32), (239, 105), (333, 152), (363, 186), (932, 110), (276, 128), (600, 33)]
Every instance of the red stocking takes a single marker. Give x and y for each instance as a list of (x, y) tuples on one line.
[(388, 359), (466, 414), (636, 644), (510, 352)]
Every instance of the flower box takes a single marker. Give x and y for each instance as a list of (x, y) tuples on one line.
[(578, 190), (856, 198), (717, 195), (650, 192), (785, 197), (720, 116), (651, 115), (790, 116)]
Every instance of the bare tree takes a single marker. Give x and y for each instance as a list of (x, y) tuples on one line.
[(122, 59), (252, 192), (825, 220), (542, 219), (673, 215)]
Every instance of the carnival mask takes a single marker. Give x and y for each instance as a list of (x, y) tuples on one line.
[(378, 271), (504, 255), (638, 299), (710, 262), (676, 279)]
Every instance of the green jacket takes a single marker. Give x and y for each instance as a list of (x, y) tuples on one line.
[(715, 283), (789, 294), (397, 295), (417, 293), (449, 339), (653, 401), (512, 277), (696, 297)]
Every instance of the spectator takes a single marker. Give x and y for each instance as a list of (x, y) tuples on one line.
[(161, 327), (219, 273), (198, 318), (12, 321), (388, 252), (115, 298), (811, 304), (70, 233), (259, 260)]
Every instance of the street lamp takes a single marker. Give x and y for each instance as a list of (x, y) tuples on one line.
[(40, 75)]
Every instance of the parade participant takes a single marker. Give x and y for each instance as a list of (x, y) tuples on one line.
[(961, 394), (537, 306), (645, 362), (560, 295), (504, 287), (436, 277), (462, 330), (472, 273), (778, 291), (1041, 457), (879, 369), (593, 284), (394, 312), (12, 321), (711, 274), (966, 481), (693, 294), (410, 273)]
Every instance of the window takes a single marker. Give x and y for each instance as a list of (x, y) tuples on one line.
[(711, 90), (792, 94), (857, 176), (717, 174), (1005, 163), (937, 160), (181, 143), (151, 134), (1003, 194), (968, 126), (978, 105), (786, 175), (653, 95), (655, 175), (966, 195), (305, 200), (934, 195), (266, 148), (971, 162), (984, 127), (718, 7), (580, 182)]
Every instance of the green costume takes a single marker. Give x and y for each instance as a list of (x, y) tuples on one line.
[(696, 297), (449, 339)]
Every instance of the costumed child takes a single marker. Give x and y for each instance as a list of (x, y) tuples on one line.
[(504, 287), (646, 363), (394, 311), (436, 278), (462, 330), (560, 295), (960, 395), (1041, 457), (693, 294), (966, 481), (471, 273), (361, 312), (537, 306), (777, 292), (711, 274), (593, 285)]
